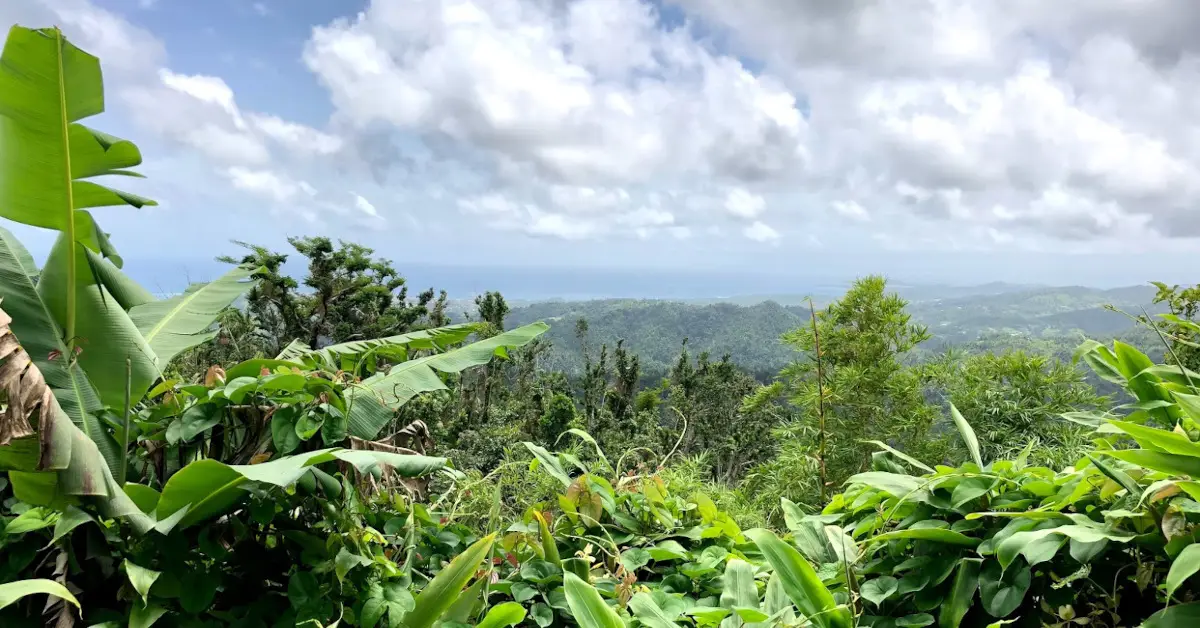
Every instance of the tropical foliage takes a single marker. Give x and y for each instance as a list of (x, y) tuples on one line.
[(261, 450)]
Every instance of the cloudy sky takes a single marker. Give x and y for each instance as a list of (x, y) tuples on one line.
[(951, 140)]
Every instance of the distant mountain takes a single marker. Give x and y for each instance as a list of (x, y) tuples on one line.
[(749, 328)]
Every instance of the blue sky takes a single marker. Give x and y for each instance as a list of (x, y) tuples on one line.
[(933, 140)]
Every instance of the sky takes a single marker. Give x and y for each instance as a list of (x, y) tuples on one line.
[(959, 141)]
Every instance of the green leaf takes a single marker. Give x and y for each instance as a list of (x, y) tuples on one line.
[(141, 579), (969, 489), (34, 324), (750, 616), (1178, 616), (1160, 440), (144, 615), (877, 590), (46, 85), (104, 333), (283, 430), (30, 521), (1032, 544), (347, 560), (939, 535), (901, 455), (635, 558), (440, 593), (308, 424), (1116, 475), (737, 586), (370, 401), (12, 591), (668, 550), (895, 484), (800, 582), (193, 422), (198, 589), (71, 518), (1185, 565), (503, 615), (208, 488), (542, 614), (914, 621), (1172, 464), (550, 462), (968, 435), (583, 435), (648, 611), (172, 326), (1002, 591), (777, 604), (962, 593), (549, 546), (587, 607), (303, 589), (463, 608), (335, 355)]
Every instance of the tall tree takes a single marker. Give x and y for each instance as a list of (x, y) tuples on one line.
[(867, 391), (352, 295)]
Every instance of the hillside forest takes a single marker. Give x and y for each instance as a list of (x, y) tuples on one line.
[(340, 448)]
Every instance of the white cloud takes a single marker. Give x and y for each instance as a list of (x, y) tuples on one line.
[(743, 204), (271, 185), (852, 210), (365, 206), (644, 217), (559, 226), (761, 232), (585, 101), (208, 89), (991, 124), (296, 137)]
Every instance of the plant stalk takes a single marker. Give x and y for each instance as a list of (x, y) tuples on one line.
[(125, 432), (820, 398), (70, 226)]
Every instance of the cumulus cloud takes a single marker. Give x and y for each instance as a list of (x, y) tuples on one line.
[(585, 99), (761, 232), (743, 204), (272, 185), (997, 124), (1050, 121)]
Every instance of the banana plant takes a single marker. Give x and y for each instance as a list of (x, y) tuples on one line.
[(47, 85), (99, 338)]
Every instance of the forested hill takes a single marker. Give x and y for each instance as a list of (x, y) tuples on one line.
[(994, 316)]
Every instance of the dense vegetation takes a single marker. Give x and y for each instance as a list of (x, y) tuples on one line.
[(328, 450), (990, 318)]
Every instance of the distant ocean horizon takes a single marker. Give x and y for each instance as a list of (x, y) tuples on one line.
[(530, 283), (564, 283)]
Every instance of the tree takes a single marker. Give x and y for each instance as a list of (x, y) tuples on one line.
[(1014, 397), (1181, 327), (708, 394), (859, 381), (353, 295)]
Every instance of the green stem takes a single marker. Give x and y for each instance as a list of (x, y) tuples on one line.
[(125, 433), (70, 226)]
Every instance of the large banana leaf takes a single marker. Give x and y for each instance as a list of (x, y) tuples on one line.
[(371, 403), (174, 325), (62, 465), (335, 355), (208, 488), (34, 324), (104, 333), (46, 85)]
